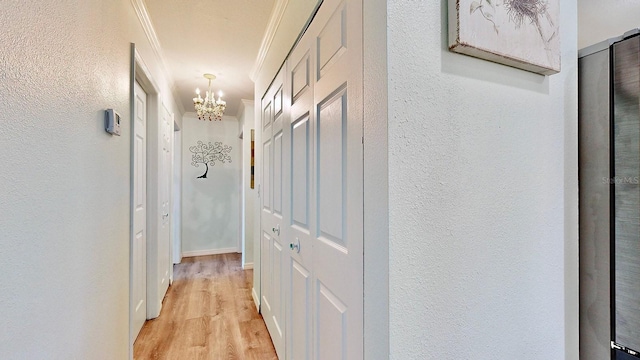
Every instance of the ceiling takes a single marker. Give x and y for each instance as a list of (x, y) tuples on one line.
[(220, 37)]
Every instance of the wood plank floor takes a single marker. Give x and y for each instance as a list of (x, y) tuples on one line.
[(208, 313)]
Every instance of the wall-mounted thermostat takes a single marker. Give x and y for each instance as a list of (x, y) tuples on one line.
[(112, 122)]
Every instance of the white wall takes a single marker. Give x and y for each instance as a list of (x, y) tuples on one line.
[(376, 182), (211, 206), (482, 197), (600, 20), (249, 195), (64, 208)]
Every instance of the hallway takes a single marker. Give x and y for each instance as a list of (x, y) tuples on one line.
[(208, 313)]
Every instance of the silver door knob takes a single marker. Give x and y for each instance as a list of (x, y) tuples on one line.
[(295, 246)]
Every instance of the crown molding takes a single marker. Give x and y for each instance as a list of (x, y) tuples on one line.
[(143, 16), (267, 39)]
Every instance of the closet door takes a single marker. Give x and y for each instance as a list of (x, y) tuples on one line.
[(338, 181), (626, 172), (271, 247), (325, 306), (300, 199)]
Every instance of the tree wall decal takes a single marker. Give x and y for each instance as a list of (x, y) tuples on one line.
[(208, 154)]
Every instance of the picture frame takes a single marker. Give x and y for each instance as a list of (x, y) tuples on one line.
[(524, 34)]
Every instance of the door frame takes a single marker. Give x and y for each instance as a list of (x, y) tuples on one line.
[(176, 189), (140, 73)]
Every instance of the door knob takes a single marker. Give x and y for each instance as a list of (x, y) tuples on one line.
[(276, 229), (295, 246)]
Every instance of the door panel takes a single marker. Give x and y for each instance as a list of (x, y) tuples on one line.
[(300, 187), (332, 40), (337, 269), (300, 311), (313, 185), (267, 285), (277, 174), (272, 248), (266, 176), (139, 245), (164, 244), (299, 193), (300, 77), (330, 135), (331, 323)]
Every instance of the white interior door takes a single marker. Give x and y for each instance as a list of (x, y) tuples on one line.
[(299, 197), (313, 165), (338, 181), (271, 247), (166, 174), (325, 232), (139, 239)]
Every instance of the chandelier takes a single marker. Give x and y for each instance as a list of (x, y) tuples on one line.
[(209, 107)]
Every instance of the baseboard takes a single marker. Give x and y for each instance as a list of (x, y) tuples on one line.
[(254, 295), (209, 252), (247, 266)]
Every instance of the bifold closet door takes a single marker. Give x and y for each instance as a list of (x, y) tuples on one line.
[(325, 230), (626, 175), (272, 250)]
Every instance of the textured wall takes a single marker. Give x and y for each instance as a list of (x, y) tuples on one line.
[(64, 203), (601, 20), (211, 206), (482, 197)]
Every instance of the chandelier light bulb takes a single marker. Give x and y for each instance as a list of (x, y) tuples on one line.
[(209, 107)]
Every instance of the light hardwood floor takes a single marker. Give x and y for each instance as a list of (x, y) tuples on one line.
[(208, 313)]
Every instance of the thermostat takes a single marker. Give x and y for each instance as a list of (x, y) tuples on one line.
[(112, 122)]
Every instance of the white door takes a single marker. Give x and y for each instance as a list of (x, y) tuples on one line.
[(325, 231), (271, 246), (166, 174), (299, 198), (138, 249)]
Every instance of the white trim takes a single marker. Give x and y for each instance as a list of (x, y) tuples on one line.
[(254, 295), (209, 252), (145, 21), (247, 266), (267, 39)]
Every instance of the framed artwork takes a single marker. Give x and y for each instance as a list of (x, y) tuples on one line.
[(253, 157), (519, 33)]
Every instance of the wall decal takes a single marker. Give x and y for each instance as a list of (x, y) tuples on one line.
[(518, 33), (208, 154)]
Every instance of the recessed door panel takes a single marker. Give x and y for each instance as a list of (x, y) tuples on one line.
[(265, 253), (330, 324), (300, 311), (277, 174), (300, 172), (331, 153), (332, 40), (277, 287), (300, 78), (277, 103), (267, 115), (266, 176)]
